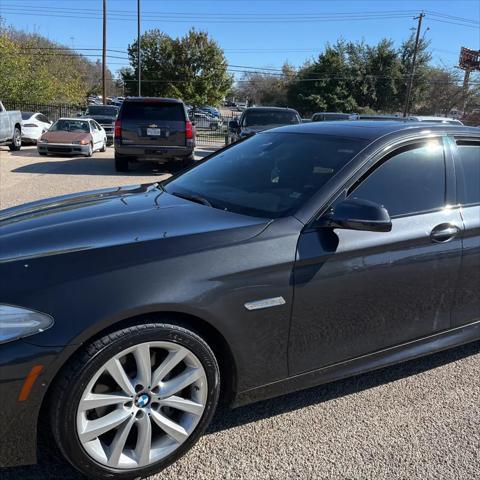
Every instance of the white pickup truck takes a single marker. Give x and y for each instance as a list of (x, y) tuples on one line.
[(10, 128)]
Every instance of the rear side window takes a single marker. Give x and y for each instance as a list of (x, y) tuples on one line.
[(468, 171), (410, 181), (148, 112)]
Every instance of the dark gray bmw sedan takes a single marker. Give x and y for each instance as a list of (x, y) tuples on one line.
[(296, 257)]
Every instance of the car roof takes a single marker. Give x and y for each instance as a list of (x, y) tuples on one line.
[(82, 119), (432, 117), (369, 129), (334, 113), (153, 100), (273, 109)]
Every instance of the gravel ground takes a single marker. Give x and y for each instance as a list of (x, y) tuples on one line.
[(417, 420)]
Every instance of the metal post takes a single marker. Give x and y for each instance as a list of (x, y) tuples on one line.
[(104, 54), (466, 80), (139, 53), (406, 109)]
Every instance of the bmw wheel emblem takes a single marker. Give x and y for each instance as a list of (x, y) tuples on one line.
[(142, 400)]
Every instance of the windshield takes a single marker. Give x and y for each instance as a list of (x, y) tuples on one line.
[(70, 126), (258, 118), (269, 175), (102, 110), (27, 115)]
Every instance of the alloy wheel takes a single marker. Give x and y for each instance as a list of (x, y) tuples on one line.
[(141, 405), (17, 138)]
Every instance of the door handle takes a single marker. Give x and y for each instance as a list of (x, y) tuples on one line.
[(444, 232)]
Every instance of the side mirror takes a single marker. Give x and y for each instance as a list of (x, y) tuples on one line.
[(357, 214), (233, 125)]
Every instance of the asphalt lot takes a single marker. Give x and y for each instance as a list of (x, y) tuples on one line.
[(417, 420)]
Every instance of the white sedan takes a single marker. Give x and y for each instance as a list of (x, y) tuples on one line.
[(33, 126)]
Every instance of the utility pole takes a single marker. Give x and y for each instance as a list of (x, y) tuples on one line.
[(139, 51), (406, 109), (466, 81), (104, 54)]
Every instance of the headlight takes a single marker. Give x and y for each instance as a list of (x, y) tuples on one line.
[(80, 142), (41, 140), (17, 322)]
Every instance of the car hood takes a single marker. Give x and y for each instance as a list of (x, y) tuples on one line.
[(102, 118), (65, 137), (259, 128), (116, 216)]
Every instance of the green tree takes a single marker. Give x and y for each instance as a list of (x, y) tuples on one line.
[(324, 85), (192, 67), (34, 69)]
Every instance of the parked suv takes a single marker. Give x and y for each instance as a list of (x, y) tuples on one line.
[(154, 130), (257, 119)]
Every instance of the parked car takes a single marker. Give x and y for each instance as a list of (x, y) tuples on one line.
[(213, 112), (430, 119), (204, 121), (33, 126), (297, 257), (380, 117), (105, 115), (151, 129), (333, 116), (10, 128), (73, 136), (258, 119)]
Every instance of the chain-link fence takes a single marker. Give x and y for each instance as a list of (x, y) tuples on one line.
[(52, 112), (211, 131)]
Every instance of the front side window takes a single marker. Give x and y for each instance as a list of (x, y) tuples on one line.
[(410, 181), (268, 175), (468, 171)]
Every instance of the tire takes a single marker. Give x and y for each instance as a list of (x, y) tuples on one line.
[(89, 151), (72, 417), (104, 146), (121, 163), (188, 161), (16, 144)]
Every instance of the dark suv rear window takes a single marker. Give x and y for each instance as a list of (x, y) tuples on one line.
[(157, 111)]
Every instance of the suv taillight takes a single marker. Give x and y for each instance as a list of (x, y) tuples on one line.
[(188, 130), (118, 129)]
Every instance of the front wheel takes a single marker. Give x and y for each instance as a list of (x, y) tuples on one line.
[(16, 144), (89, 152), (104, 146), (135, 401)]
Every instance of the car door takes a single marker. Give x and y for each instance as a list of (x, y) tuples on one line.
[(357, 292), (466, 307), (4, 124), (95, 134), (102, 137)]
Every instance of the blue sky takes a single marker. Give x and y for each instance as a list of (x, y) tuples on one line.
[(254, 33)]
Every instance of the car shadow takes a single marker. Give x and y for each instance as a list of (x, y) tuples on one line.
[(96, 165), (225, 419), (51, 466)]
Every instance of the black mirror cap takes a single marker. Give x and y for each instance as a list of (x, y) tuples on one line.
[(358, 214)]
